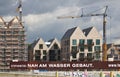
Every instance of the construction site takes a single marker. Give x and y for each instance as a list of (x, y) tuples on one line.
[(79, 53)]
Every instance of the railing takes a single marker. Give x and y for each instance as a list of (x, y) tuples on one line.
[(87, 44)]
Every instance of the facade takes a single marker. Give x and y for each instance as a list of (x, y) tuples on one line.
[(81, 45), (113, 52), (93, 44), (12, 42), (44, 51), (38, 50), (54, 50)]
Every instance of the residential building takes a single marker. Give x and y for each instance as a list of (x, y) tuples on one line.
[(54, 50), (38, 50), (70, 44), (12, 42), (113, 52), (44, 51), (81, 45), (93, 45)]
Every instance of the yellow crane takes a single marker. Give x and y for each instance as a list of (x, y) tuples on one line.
[(104, 28)]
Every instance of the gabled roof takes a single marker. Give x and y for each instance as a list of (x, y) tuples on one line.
[(15, 22), (87, 31), (34, 43), (1, 19), (109, 45), (37, 42), (68, 33), (2, 22), (53, 41)]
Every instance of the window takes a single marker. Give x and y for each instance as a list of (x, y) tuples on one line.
[(37, 52), (74, 42), (40, 46), (97, 48), (74, 48), (68, 42), (59, 58), (89, 41), (37, 58), (37, 55), (58, 52), (52, 52), (97, 42), (74, 55), (89, 48), (112, 51), (44, 58), (81, 41), (81, 48), (44, 52), (81, 55), (55, 46), (115, 57), (97, 55), (89, 55), (65, 42)]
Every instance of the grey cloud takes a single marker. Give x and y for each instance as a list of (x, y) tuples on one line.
[(7, 7), (58, 27), (40, 6)]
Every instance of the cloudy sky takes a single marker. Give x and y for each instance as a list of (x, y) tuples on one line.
[(40, 16)]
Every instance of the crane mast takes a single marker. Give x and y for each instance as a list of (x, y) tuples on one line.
[(19, 10), (104, 28)]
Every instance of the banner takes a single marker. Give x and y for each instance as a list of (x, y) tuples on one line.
[(65, 65)]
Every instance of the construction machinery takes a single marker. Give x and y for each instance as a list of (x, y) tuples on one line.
[(104, 28)]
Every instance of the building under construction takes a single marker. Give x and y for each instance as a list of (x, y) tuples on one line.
[(12, 42)]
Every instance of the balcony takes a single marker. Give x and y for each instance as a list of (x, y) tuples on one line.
[(14, 39), (8, 39), (16, 55), (2, 47), (87, 44), (74, 50), (81, 59), (8, 59), (90, 58), (86, 58), (8, 51)]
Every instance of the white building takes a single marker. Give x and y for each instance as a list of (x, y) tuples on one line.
[(45, 51), (54, 50), (113, 52), (40, 50), (81, 45)]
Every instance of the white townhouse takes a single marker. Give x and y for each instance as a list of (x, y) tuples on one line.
[(81, 45)]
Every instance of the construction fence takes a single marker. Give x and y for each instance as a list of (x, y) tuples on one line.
[(62, 74)]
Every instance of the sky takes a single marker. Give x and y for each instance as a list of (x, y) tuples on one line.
[(40, 17)]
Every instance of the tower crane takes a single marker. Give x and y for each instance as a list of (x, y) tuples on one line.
[(104, 28)]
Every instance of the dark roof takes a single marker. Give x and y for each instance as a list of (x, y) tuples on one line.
[(68, 33), (51, 40), (34, 43), (87, 30), (109, 45)]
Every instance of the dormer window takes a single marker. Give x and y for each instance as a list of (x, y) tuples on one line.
[(40, 46)]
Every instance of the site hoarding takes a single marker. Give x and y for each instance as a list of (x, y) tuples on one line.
[(65, 65)]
